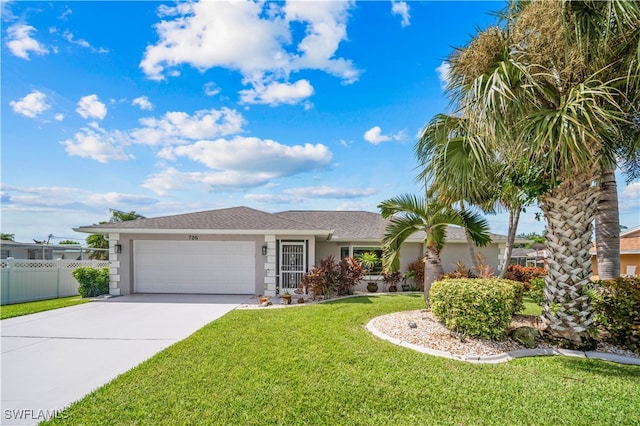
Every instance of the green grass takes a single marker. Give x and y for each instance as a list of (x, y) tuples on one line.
[(10, 311), (531, 307), (318, 365)]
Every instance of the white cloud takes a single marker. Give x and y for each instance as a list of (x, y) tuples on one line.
[(143, 103), (59, 117), (31, 105), (171, 179), (82, 42), (374, 136), (210, 89), (326, 29), (68, 197), (174, 127), (443, 73), (631, 191), (275, 93), (401, 8), (235, 164), (20, 42), (253, 155), (629, 199), (213, 34), (97, 144), (90, 107), (297, 195)]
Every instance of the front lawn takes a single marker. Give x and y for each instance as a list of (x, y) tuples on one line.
[(10, 311), (317, 365)]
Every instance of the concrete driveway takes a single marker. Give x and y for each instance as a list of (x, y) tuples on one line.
[(51, 359)]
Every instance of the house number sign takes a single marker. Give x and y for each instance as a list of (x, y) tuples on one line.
[(193, 238)]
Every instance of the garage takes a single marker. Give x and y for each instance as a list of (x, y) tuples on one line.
[(205, 267)]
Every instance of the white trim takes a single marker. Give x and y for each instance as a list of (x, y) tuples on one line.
[(206, 231)]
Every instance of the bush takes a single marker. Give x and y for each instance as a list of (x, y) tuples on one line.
[(535, 290), (350, 274), (476, 307), (617, 306), (93, 281), (416, 268), (524, 274), (328, 276)]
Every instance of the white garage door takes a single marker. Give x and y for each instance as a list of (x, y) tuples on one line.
[(214, 267)]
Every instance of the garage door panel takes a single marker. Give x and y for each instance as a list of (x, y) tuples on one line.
[(216, 267)]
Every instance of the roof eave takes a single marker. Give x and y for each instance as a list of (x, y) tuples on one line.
[(98, 230)]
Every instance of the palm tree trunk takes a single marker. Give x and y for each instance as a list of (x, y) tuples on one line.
[(608, 227), (514, 218), (569, 210), (470, 245), (432, 271)]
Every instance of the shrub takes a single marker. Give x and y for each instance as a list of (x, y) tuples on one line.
[(329, 276), (535, 290), (524, 274), (93, 281), (617, 306), (461, 272), (476, 307), (349, 275), (417, 268), (323, 278)]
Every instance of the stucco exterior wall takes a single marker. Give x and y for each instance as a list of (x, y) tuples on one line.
[(459, 252)]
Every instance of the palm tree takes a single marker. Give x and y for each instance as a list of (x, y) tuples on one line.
[(7, 237), (460, 170), (409, 214), (527, 90)]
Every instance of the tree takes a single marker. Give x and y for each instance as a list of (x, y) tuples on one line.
[(98, 241), (460, 173), (7, 237), (529, 88), (409, 214), (64, 242)]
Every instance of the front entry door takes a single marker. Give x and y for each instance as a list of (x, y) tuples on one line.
[(292, 265)]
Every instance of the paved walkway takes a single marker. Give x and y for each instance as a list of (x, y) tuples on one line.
[(53, 358)]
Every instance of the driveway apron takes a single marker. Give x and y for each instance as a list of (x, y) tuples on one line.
[(53, 358)]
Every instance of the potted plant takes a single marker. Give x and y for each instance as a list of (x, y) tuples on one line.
[(409, 276), (391, 280), (286, 297), (368, 260)]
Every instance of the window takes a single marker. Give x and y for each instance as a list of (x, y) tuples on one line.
[(377, 268), (344, 252)]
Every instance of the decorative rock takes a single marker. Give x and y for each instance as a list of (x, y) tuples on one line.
[(526, 336), (413, 325)]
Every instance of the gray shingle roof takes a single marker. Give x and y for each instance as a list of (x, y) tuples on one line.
[(362, 225), (235, 218), (346, 225)]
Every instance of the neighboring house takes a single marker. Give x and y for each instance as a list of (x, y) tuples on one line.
[(241, 250), (629, 253), (528, 257), (33, 251)]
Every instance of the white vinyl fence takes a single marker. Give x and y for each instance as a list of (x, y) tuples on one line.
[(28, 280)]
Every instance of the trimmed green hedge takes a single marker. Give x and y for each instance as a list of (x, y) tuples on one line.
[(476, 307), (617, 306), (93, 281)]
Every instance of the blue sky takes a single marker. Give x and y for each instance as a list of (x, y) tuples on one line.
[(167, 108)]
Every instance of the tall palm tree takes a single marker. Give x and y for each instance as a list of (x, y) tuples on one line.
[(460, 170), (528, 90), (409, 214), (607, 35)]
